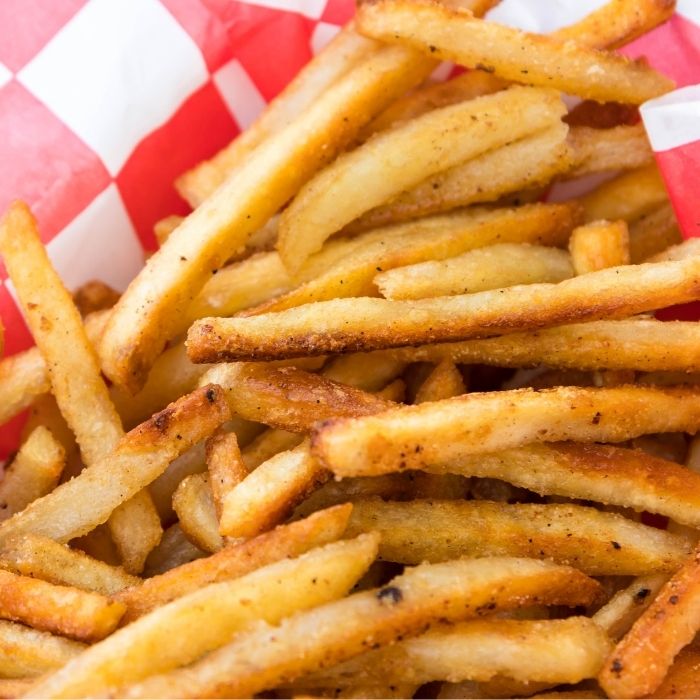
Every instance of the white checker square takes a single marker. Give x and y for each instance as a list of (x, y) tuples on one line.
[(5, 74), (309, 8), (322, 34), (239, 93), (115, 72), (690, 9), (100, 243), (542, 16), (672, 119)]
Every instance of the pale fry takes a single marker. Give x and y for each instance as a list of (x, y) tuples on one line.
[(23, 377), (454, 34), (270, 594), (267, 657), (599, 544), (236, 560), (33, 472), (194, 506), (225, 465), (151, 309), (491, 267), (347, 325), (412, 437), (598, 245), (399, 159), (59, 609), (142, 455), (653, 233)]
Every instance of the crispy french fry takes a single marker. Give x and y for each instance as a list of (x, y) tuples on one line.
[(194, 506), (525, 650), (59, 609), (598, 245), (402, 157), (597, 543), (267, 656), (412, 437), (144, 453), (236, 560), (638, 664), (28, 652), (142, 321), (173, 550), (492, 267), (346, 325), (33, 472), (41, 557), (225, 465), (443, 382), (268, 594), (454, 34), (653, 233), (94, 296)]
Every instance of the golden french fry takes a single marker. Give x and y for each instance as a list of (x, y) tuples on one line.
[(236, 560), (23, 377), (194, 506), (492, 267), (270, 594), (412, 437), (597, 543), (681, 680), (346, 325), (598, 245), (94, 296), (454, 34), (140, 457), (267, 445), (443, 382), (654, 233), (268, 656), (225, 465), (59, 609), (368, 372)]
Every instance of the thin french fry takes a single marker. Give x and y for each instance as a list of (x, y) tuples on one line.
[(225, 465), (346, 325), (367, 372), (598, 245), (267, 445), (194, 506)]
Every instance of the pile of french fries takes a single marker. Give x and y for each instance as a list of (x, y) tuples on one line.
[(379, 419)]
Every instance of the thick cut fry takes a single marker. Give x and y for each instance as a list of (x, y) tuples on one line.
[(151, 308), (402, 157), (346, 325), (412, 437), (454, 34), (598, 245), (492, 267), (653, 233), (27, 652), (443, 382), (553, 651), (524, 164), (41, 557), (94, 296), (638, 664), (597, 543), (225, 465), (59, 609), (267, 657), (287, 397), (142, 455), (236, 560), (269, 594), (33, 472), (194, 506)]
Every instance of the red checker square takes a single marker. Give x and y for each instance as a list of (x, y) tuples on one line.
[(44, 162), (201, 127), (17, 335), (338, 12), (27, 25)]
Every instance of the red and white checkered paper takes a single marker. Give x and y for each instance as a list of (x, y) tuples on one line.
[(104, 102)]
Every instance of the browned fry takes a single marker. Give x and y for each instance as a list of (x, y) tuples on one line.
[(607, 115), (58, 609), (173, 550), (347, 325), (598, 245), (287, 397), (164, 227), (454, 34), (443, 382), (266, 657), (226, 466), (236, 560), (637, 666), (654, 233), (94, 296), (682, 679), (413, 437), (194, 506), (139, 458)]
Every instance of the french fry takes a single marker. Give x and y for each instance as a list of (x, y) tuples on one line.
[(404, 156), (347, 325), (367, 372), (15, 687), (686, 249), (267, 656), (267, 445), (194, 506), (638, 664), (598, 245), (236, 560), (173, 550), (225, 465), (608, 115), (443, 382), (28, 652), (479, 650), (412, 437), (144, 453), (492, 267), (270, 594), (58, 609), (454, 34), (33, 472), (138, 329), (653, 233), (681, 681), (41, 557), (94, 296), (597, 543)]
